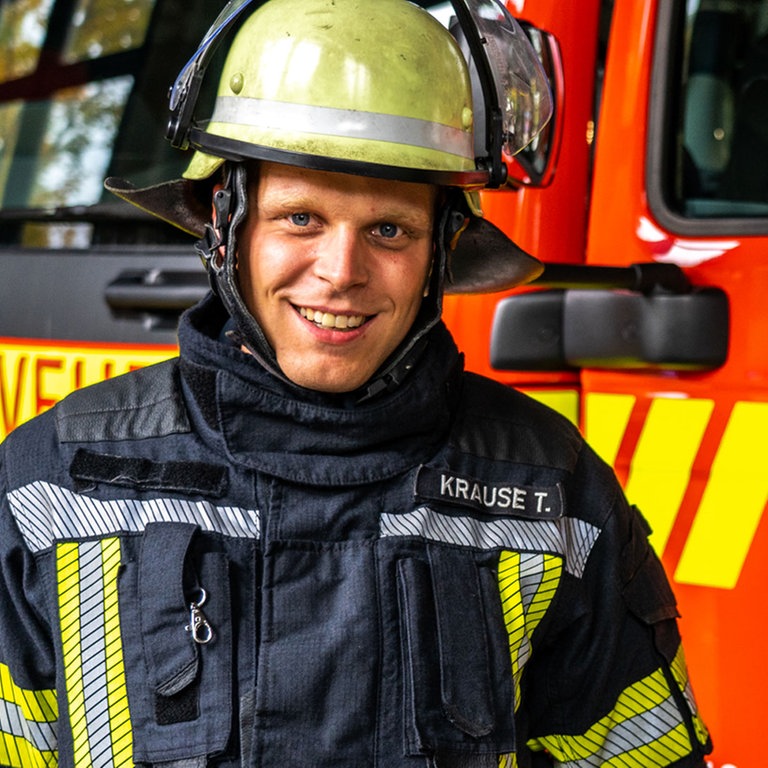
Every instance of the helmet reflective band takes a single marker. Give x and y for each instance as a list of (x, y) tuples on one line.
[(312, 77)]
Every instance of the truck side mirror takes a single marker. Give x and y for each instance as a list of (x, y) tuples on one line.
[(603, 317)]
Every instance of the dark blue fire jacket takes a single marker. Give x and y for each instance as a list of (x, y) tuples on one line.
[(202, 566)]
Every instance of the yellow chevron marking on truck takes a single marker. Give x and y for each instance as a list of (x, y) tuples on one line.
[(606, 419), (732, 504), (661, 467), (564, 401)]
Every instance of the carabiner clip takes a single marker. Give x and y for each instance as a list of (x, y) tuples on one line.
[(199, 626)]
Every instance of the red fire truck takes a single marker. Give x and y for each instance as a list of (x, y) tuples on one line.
[(648, 201), (646, 197)]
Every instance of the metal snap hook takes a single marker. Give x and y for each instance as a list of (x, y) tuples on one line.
[(199, 626)]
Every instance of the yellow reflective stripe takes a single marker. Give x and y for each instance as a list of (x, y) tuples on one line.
[(94, 669), (732, 504), (36, 706), (527, 584), (605, 422), (68, 576), (514, 617), (564, 401), (32, 716), (117, 694), (645, 712), (661, 467), (17, 752)]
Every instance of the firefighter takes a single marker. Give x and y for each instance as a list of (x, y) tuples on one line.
[(312, 539)]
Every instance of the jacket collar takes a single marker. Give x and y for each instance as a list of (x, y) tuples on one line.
[(271, 425)]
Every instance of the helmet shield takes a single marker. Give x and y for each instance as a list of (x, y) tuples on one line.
[(183, 95), (511, 91)]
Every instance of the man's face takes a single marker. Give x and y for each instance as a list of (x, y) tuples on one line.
[(334, 268)]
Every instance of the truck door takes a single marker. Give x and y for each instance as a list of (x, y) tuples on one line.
[(89, 288), (659, 313), (681, 178)]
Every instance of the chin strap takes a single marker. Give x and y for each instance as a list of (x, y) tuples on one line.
[(218, 251)]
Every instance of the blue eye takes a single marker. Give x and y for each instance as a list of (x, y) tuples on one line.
[(300, 219), (388, 230)]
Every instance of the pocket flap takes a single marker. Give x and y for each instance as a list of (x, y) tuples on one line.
[(468, 707), (172, 657)]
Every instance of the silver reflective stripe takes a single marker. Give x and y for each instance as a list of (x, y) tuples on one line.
[(41, 734), (567, 536), (47, 512), (342, 123), (93, 656), (643, 728)]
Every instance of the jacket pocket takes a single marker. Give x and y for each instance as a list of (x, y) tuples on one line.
[(457, 678), (175, 596)]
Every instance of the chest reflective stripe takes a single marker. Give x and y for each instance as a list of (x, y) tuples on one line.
[(568, 537), (91, 638), (46, 513)]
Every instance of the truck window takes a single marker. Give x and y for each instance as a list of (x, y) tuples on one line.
[(716, 165), (83, 95), (83, 87)]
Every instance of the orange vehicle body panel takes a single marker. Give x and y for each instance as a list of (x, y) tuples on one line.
[(688, 447), (719, 532)]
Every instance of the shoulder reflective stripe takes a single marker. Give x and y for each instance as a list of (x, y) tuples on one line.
[(732, 505), (645, 728), (46, 512), (527, 584), (27, 725), (345, 123), (661, 466), (605, 419), (569, 537), (92, 653)]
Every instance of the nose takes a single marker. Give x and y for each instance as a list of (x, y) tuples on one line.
[(341, 259)]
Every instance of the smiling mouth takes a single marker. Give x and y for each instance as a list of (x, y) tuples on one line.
[(331, 321)]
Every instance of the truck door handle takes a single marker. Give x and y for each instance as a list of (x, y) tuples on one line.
[(156, 291), (612, 318)]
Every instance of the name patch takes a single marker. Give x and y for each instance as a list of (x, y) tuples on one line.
[(534, 502)]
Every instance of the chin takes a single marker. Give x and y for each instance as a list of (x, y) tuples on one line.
[(331, 387), (321, 382)]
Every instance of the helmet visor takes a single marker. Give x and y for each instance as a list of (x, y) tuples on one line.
[(519, 80), (185, 90)]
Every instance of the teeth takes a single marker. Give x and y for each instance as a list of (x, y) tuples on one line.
[(328, 320)]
